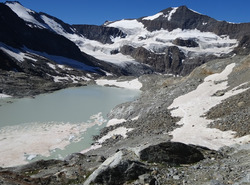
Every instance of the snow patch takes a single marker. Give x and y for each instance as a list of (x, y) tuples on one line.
[(74, 79), (63, 60), (115, 122), (4, 96), (195, 12), (126, 25), (133, 84), (31, 157), (119, 131), (93, 147), (110, 162), (52, 66), (171, 13), (53, 25), (193, 105), (24, 13), (153, 17), (15, 53)]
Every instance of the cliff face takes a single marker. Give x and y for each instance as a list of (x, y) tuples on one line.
[(99, 33)]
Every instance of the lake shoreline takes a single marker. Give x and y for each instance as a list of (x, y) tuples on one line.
[(59, 130)]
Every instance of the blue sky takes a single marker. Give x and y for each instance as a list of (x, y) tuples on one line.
[(98, 11)]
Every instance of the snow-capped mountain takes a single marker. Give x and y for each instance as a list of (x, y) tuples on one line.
[(29, 43), (175, 40)]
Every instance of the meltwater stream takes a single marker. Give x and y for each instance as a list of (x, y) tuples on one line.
[(57, 124)]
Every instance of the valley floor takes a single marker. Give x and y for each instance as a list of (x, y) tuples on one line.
[(209, 108)]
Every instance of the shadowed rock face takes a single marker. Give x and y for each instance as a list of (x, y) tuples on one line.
[(188, 43), (170, 62), (244, 46), (99, 33), (14, 32), (7, 64), (171, 153)]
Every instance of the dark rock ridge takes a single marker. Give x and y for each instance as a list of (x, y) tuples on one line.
[(184, 18), (15, 32), (99, 33)]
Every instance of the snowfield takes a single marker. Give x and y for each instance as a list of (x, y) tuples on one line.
[(193, 105), (133, 84)]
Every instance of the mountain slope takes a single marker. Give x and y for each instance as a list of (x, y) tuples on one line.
[(175, 40), (35, 50), (151, 39)]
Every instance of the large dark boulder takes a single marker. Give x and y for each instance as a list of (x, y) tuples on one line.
[(172, 153)]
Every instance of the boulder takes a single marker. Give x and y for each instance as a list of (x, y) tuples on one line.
[(172, 153), (116, 170)]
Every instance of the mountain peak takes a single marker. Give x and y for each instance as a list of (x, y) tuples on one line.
[(175, 17), (13, 2)]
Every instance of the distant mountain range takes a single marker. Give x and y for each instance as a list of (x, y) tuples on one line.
[(173, 41)]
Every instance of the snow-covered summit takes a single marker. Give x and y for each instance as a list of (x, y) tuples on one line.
[(24, 13)]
